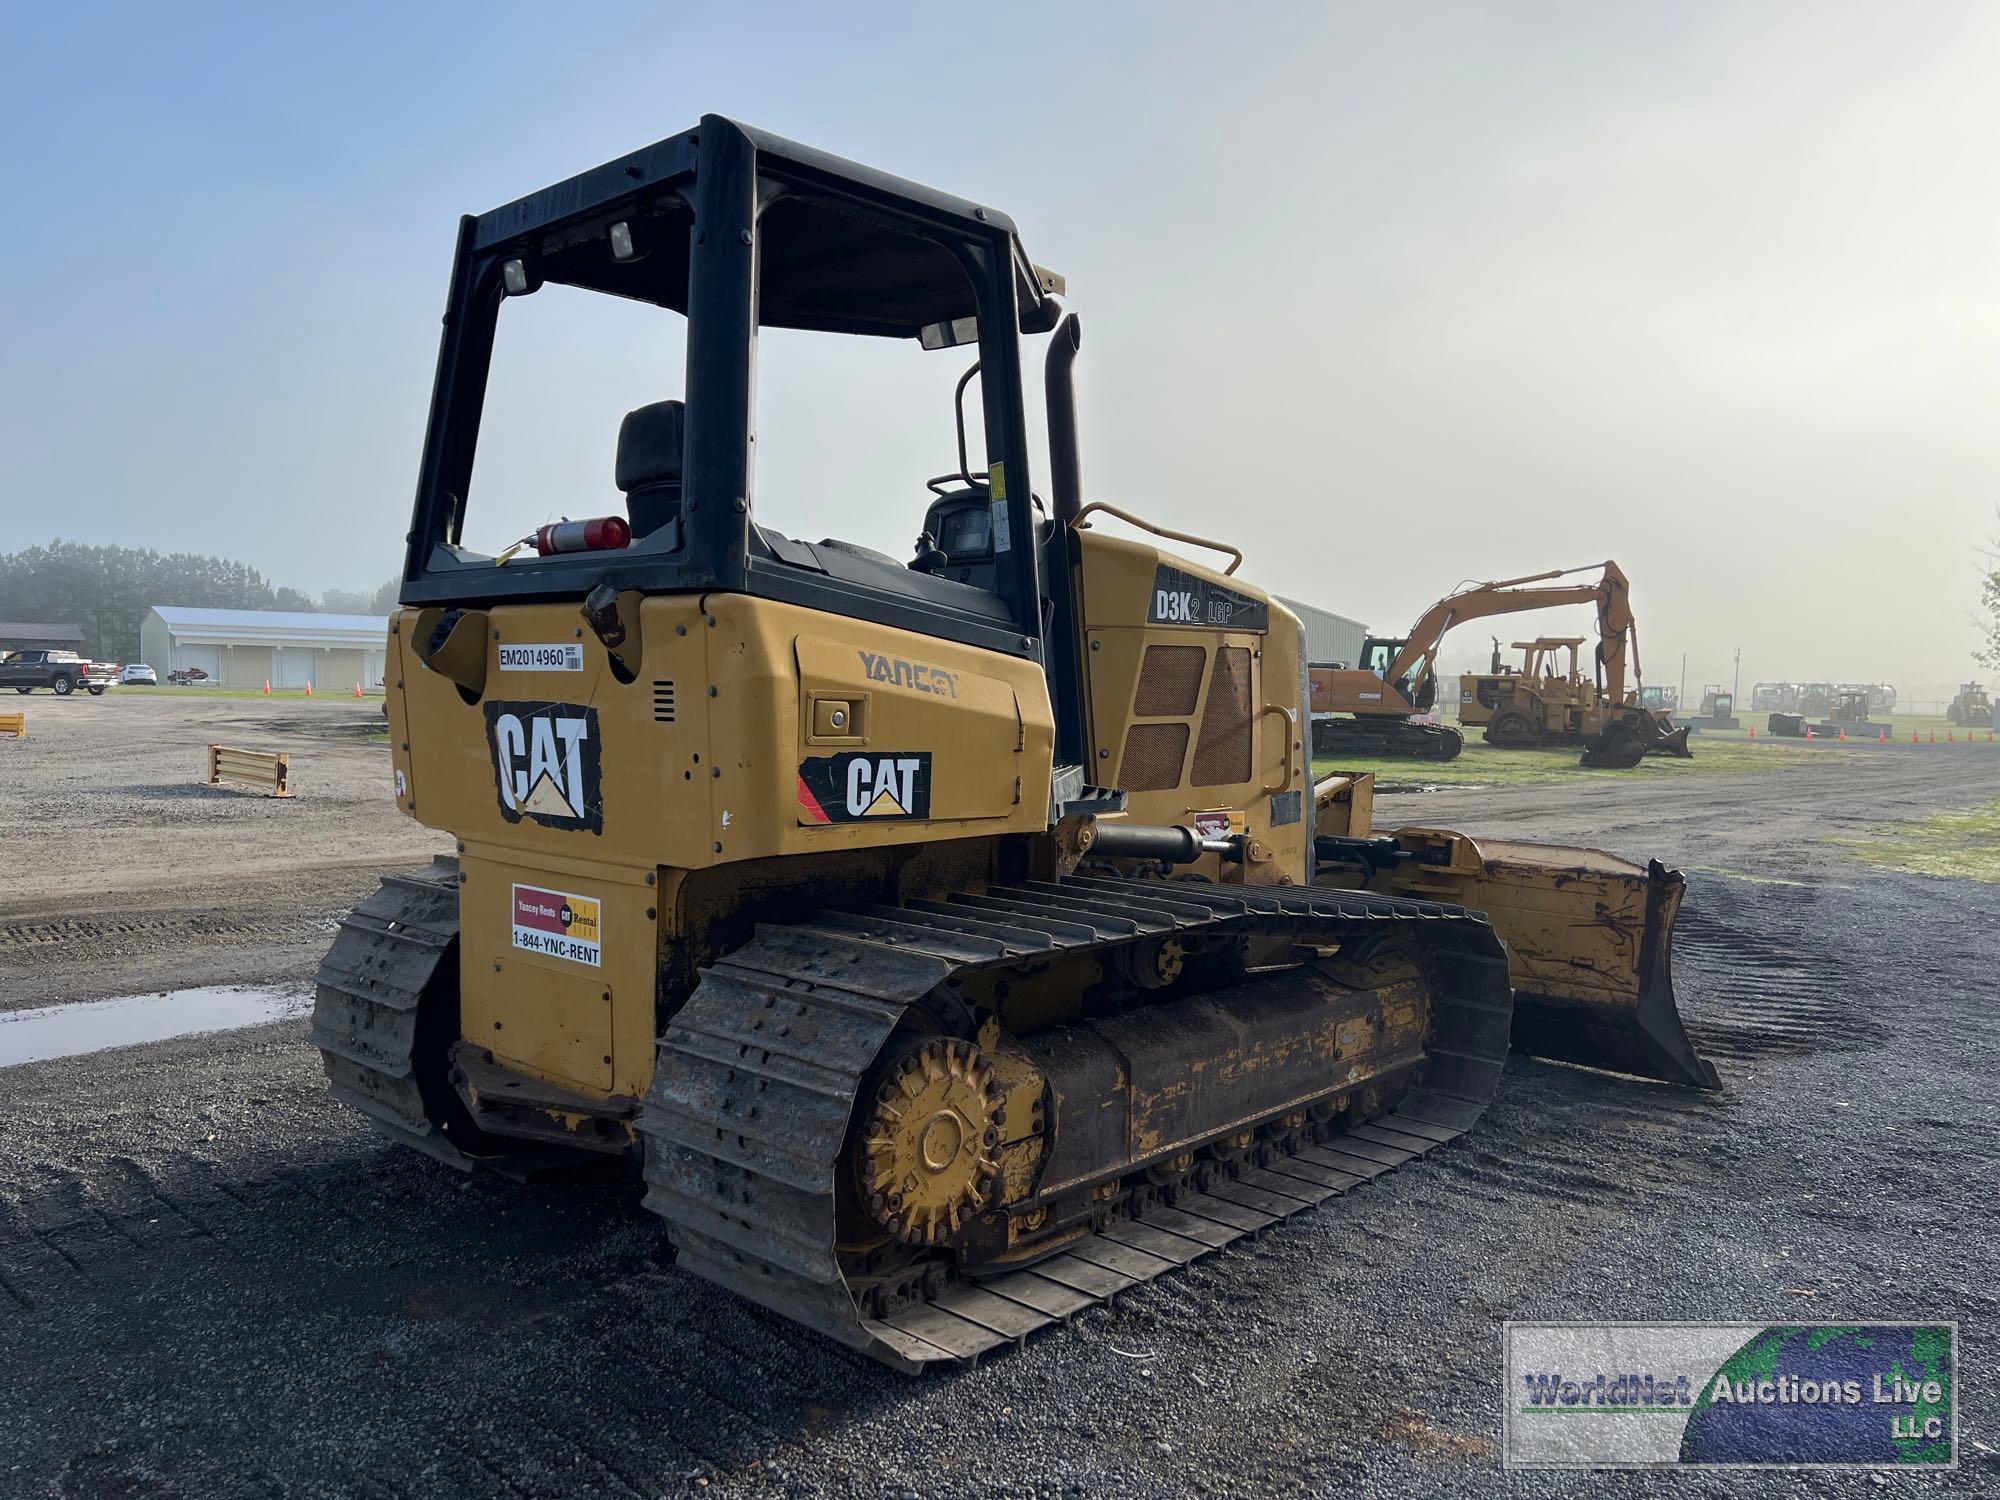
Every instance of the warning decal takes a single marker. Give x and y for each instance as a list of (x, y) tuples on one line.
[(558, 924), (862, 784)]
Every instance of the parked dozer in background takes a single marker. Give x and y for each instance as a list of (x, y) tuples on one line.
[(1371, 708), (1971, 706), (951, 943), (1548, 701), (1718, 710), (1850, 717)]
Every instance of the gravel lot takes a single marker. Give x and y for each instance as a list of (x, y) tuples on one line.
[(129, 873), (214, 1282)]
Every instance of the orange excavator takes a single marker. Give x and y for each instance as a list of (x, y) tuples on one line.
[(1372, 708)]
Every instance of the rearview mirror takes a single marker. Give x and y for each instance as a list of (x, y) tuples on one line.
[(949, 335)]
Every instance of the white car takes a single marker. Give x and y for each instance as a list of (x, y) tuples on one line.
[(140, 673)]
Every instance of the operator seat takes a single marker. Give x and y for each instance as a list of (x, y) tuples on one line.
[(650, 443)]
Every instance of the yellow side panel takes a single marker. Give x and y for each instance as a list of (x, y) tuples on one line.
[(557, 964), (1148, 728), (949, 740)]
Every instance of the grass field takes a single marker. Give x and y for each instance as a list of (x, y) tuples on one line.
[(1963, 844), (1479, 764), (1901, 727)]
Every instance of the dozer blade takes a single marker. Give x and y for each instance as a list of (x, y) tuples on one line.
[(1589, 947), (1672, 740), (1625, 742), (1617, 749)]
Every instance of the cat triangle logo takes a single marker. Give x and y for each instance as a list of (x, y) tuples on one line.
[(886, 806), (547, 800)]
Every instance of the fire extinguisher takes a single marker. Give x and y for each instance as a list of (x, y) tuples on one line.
[(600, 534)]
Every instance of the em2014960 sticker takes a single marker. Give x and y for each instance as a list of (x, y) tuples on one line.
[(560, 656), (861, 786), (559, 924)]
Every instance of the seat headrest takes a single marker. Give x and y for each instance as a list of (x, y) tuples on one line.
[(650, 441)]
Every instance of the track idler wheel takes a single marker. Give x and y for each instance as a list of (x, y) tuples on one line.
[(931, 1142)]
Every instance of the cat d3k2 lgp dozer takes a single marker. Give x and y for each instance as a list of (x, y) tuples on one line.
[(952, 943)]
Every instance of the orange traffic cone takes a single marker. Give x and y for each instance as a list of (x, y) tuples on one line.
[(1809, 733), (1882, 738), (1843, 736), (1933, 736), (357, 690), (1753, 731), (267, 687), (309, 690), (1950, 738), (1913, 737)]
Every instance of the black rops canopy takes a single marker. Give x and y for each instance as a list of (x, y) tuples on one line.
[(859, 262)]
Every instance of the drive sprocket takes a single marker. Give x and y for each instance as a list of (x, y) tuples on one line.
[(931, 1141)]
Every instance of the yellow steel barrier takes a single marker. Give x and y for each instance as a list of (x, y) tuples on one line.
[(251, 767), (14, 724)]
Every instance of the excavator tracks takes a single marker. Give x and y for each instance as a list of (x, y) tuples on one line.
[(747, 1123), (1403, 737)]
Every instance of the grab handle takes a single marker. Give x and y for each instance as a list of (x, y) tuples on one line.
[(1291, 716), (1172, 536)]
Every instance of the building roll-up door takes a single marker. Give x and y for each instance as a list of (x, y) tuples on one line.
[(295, 667), (207, 658)]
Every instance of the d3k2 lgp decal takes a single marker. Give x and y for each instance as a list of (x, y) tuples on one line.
[(548, 763), (861, 784), (1182, 598)]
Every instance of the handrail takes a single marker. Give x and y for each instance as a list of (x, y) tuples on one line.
[(1291, 732), (1172, 536)]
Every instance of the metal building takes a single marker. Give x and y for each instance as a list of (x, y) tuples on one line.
[(27, 635), (1330, 637), (244, 648)]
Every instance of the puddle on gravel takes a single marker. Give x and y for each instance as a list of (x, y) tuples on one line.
[(92, 1026)]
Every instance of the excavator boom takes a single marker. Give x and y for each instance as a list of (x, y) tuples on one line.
[(1362, 710)]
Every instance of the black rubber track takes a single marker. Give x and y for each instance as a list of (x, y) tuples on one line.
[(748, 1114)]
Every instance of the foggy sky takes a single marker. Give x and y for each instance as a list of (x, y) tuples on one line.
[(1392, 297)]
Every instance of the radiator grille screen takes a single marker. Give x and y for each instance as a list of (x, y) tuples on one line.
[(1222, 755), (1154, 755), (1170, 682), (663, 702)]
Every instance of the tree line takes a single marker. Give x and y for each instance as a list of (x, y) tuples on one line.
[(106, 591)]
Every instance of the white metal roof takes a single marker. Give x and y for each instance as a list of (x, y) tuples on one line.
[(1306, 611), (272, 627)]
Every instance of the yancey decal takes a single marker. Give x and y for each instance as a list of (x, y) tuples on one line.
[(559, 924), (859, 785), (1212, 825), (1181, 598), (564, 656), (909, 674), (548, 763)]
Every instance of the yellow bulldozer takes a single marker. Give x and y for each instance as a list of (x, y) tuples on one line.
[(948, 943), (1549, 701)]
